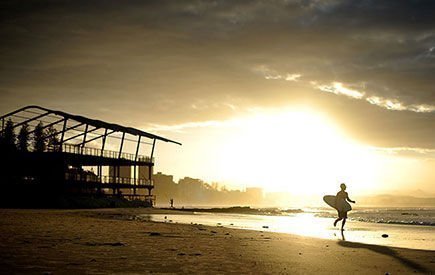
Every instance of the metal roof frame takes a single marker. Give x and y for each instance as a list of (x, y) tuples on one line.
[(87, 121)]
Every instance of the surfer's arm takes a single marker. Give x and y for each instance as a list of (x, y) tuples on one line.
[(347, 197)]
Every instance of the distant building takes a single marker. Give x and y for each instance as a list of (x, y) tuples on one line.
[(163, 179), (191, 188), (165, 187)]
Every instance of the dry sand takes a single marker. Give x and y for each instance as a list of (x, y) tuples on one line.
[(112, 241)]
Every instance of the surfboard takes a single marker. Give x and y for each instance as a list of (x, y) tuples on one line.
[(330, 200)]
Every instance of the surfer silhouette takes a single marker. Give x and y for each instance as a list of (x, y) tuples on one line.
[(342, 205)]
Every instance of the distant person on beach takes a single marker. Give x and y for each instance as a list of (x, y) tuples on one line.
[(340, 204)]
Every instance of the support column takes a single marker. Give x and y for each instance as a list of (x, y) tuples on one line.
[(62, 137), (119, 156), (118, 174), (122, 144), (152, 150), (103, 144), (150, 168), (151, 160), (84, 137), (135, 160)]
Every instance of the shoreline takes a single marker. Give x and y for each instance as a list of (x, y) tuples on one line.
[(114, 240), (311, 225)]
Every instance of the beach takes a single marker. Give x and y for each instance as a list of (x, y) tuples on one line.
[(102, 241)]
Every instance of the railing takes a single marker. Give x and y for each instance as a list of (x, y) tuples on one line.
[(151, 199), (108, 179), (89, 151)]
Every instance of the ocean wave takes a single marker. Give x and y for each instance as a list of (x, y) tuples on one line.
[(412, 222), (246, 210), (423, 217)]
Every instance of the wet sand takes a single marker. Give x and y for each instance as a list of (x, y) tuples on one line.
[(113, 241)]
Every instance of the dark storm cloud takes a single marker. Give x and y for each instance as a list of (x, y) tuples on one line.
[(172, 62), (373, 14)]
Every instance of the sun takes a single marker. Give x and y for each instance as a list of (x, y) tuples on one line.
[(299, 151)]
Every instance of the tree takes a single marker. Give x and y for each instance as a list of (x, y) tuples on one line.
[(23, 138), (39, 143), (52, 138), (8, 137)]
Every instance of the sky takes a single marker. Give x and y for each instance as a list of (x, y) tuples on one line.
[(285, 95)]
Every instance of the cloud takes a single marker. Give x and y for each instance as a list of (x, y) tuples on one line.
[(338, 89), (407, 151), (293, 77), (172, 62), (178, 128), (390, 104), (201, 104), (271, 74), (393, 104)]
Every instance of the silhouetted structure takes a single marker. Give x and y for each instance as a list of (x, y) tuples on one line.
[(69, 156)]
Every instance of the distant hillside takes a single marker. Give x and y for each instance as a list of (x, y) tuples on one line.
[(394, 200)]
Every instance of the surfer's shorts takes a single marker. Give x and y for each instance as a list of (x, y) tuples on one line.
[(342, 214)]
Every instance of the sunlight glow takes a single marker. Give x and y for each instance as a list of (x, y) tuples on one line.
[(297, 151)]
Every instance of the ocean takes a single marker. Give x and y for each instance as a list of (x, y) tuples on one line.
[(397, 227)]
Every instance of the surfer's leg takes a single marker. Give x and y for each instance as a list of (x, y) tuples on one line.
[(344, 216), (340, 217), (343, 223)]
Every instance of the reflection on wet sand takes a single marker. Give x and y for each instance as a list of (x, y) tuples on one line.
[(307, 224)]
